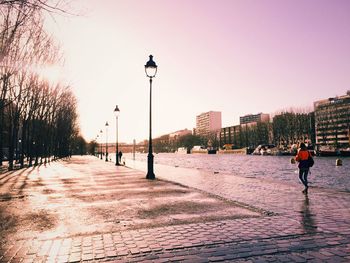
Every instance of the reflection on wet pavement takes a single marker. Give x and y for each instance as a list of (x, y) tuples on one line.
[(69, 198), (321, 209), (307, 218)]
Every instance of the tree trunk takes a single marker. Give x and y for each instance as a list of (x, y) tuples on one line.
[(11, 147), (1, 130), (24, 139)]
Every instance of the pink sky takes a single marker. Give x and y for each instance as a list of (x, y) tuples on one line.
[(237, 57)]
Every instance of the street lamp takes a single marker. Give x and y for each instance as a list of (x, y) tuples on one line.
[(18, 154), (151, 71), (116, 112), (21, 157), (106, 140), (101, 143), (97, 140)]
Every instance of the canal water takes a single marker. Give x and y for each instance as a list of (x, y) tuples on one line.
[(324, 173)]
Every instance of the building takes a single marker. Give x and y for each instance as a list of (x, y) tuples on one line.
[(332, 121), (175, 135), (248, 133), (230, 135), (168, 142), (208, 123), (254, 118)]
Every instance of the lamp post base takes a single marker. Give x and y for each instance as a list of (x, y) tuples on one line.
[(117, 159), (150, 174)]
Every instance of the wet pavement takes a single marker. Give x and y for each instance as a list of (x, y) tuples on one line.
[(266, 221)]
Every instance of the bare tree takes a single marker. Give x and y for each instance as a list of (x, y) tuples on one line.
[(32, 110), (43, 5), (290, 128)]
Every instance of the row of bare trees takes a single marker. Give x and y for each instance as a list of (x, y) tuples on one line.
[(252, 136), (292, 127), (38, 118)]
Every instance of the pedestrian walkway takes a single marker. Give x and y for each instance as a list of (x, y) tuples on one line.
[(291, 227)]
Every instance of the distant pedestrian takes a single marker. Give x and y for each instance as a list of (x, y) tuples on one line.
[(120, 154), (302, 158)]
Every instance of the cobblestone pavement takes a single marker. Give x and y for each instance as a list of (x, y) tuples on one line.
[(294, 228)]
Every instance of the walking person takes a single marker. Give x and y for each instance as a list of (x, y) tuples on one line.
[(302, 158)]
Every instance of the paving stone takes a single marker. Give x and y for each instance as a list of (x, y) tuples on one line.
[(292, 232)]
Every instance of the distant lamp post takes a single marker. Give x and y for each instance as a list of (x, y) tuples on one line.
[(106, 140), (101, 143), (151, 71), (35, 153), (97, 140), (116, 112), (19, 149)]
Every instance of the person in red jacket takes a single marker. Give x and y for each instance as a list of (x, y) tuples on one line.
[(302, 157)]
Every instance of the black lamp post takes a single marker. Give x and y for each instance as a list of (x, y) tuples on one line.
[(151, 71), (97, 145), (106, 140), (116, 112), (101, 143)]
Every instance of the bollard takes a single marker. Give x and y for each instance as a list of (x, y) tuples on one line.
[(292, 161), (338, 162)]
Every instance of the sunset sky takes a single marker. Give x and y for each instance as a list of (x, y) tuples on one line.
[(233, 56)]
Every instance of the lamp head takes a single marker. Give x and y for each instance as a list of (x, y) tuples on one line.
[(106, 124), (151, 67), (116, 111)]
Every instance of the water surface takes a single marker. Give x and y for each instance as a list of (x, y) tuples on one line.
[(324, 173)]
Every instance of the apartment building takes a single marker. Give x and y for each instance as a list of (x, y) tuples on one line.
[(254, 118), (332, 121), (230, 135), (208, 123), (241, 135)]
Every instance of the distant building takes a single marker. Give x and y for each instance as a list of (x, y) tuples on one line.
[(332, 121), (175, 135), (230, 135), (245, 134), (254, 118), (168, 142), (208, 123)]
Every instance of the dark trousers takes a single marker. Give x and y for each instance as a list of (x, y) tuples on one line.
[(303, 172)]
